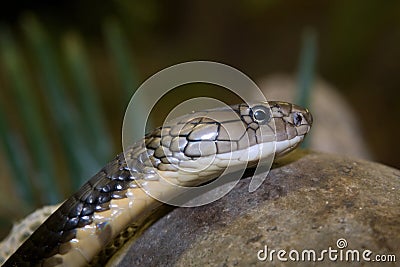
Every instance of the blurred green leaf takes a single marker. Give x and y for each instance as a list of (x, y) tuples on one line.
[(27, 107), (126, 73), (81, 162), (121, 55), (96, 134)]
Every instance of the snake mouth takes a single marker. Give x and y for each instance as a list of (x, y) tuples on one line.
[(286, 146)]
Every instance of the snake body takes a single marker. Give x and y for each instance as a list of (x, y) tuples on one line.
[(188, 151)]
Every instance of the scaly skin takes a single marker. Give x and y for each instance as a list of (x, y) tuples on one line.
[(188, 151)]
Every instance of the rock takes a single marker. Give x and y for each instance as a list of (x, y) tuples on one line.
[(310, 200)]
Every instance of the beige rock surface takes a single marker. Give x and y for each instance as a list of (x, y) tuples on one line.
[(309, 201)]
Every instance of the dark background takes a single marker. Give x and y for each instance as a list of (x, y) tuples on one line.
[(358, 51), (358, 43)]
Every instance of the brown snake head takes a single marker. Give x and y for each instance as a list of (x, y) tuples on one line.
[(204, 143)]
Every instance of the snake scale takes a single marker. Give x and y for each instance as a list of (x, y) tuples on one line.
[(188, 151)]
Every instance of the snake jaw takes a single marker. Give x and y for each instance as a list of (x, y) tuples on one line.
[(285, 147)]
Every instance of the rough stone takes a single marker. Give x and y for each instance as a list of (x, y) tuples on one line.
[(309, 200)]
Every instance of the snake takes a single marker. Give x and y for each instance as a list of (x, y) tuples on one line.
[(189, 151)]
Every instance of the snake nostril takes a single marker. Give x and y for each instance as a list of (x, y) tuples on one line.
[(309, 117)]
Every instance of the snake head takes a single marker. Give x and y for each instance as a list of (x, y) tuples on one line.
[(292, 123), (204, 143)]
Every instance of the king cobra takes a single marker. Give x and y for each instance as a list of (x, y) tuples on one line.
[(191, 150)]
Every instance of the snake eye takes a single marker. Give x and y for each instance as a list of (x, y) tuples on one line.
[(297, 119), (261, 114)]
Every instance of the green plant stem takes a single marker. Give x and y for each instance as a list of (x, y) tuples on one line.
[(306, 71)]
